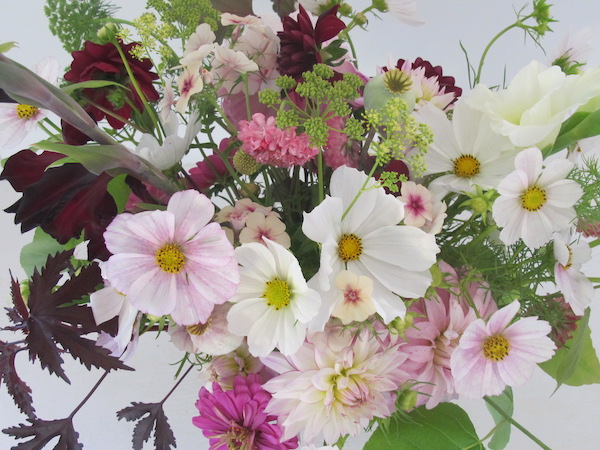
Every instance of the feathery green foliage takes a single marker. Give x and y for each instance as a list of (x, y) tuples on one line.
[(73, 21)]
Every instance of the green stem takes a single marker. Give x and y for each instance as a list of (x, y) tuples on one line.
[(53, 125), (320, 176), (516, 424), (595, 243)]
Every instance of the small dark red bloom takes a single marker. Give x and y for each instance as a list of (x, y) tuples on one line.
[(300, 42), (445, 82), (103, 62)]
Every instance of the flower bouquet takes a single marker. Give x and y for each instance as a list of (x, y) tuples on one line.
[(332, 251)]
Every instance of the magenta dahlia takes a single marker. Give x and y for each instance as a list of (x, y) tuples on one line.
[(237, 418)]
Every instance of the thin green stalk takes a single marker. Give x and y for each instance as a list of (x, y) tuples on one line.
[(320, 176), (516, 424), (53, 125)]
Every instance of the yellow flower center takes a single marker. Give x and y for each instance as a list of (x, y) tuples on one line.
[(495, 348), (466, 166), (397, 81), (26, 111), (170, 258), (199, 328), (533, 198), (570, 260), (277, 293), (349, 247)]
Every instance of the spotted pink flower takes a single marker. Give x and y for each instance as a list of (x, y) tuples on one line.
[(270, 145), (417, 203), (237, 418)]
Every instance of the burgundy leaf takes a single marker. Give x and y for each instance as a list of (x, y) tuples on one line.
[(328, 25), (151, 416), (56, 325), (17, 298), (26, 167), (43, 431), (18, 390)]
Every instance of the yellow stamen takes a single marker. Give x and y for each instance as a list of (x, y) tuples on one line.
[(466, 166), (349, 247), (495, 348), (170, 258), (277, 293), (533, 198), (199, 328), (26, 111)]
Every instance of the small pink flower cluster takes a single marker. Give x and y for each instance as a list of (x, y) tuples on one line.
[(270, 145)]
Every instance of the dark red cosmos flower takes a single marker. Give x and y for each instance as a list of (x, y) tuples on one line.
[(448, 83), (300, 43), (103, 62), (63, 201)]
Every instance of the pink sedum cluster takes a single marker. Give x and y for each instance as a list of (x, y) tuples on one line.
[(270, 145)]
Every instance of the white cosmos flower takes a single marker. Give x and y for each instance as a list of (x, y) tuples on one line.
[(535, 202), (173, 148), (577, 289), (273, 303), (466, 149), (369, 242), (537, 101)]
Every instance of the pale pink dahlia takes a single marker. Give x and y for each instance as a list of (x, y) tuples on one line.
[(236, 419), (493, 355), (438, 326), (174, 261), (270, 145), (335, 384)]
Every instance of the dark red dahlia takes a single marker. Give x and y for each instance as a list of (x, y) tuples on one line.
[(103, 62), (300, 42), (447, 83)]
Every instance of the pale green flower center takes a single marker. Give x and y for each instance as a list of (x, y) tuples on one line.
[(277, 293), (397, 81), (349, 247), (466, 166), (26, 111), (170, 258), (533, 198), (496, 348)]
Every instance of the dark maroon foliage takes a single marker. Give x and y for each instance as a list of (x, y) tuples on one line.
[(63, 201), (446, 82), (301, 42), (56, 323), (150, 416), (43, 431), (103, 62), (17, 389)]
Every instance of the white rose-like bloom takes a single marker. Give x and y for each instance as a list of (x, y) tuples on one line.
[(369, 242), (535, 202), (537, 101)]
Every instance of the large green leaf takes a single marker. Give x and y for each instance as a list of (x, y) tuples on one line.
[(575, 364), (446, 427), (579, 126), (502, 435), (120, 191), (35, 254)]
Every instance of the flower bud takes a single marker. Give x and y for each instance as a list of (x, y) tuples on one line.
[(108, 32)]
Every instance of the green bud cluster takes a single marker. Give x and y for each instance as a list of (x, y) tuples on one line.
[(269, 97), (389, 180), (354, 129), (541, 14), (317, 130), (287, 118), (186, 13), (285, 82)]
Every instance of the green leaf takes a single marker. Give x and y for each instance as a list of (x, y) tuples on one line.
[(6, 46), (579, 126), (575, 364), (120, 191), (35, 254), (90, 84), (502, 435), (446, 427)]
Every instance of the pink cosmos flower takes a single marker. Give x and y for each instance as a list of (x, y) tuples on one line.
[(237, 418), (259, 225), (189, 83), (237, 214), (438, 325), (417, 203), (335, 384), (493, 355), (270, 145), (174, 261)]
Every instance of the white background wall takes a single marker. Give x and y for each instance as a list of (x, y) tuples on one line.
[(569, 419)]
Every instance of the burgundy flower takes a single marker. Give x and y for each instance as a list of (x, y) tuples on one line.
[(63, 201), (446, 83), (103, 62), (212, 168), (301, 42), (237, 418)]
